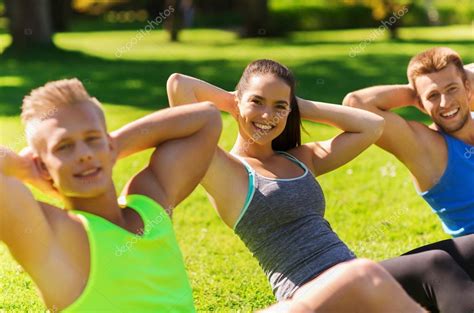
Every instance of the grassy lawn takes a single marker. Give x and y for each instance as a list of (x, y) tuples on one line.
[(371, 202)]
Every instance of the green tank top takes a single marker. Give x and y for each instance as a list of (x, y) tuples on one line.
[(134, 273)]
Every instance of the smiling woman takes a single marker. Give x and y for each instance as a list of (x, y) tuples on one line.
[(274, 118), (276, 206)]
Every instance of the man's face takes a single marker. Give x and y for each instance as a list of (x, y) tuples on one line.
[(76, 151), (445, 97)]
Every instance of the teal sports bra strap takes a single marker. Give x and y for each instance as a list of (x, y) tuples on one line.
[(251, 189), (292, 158)]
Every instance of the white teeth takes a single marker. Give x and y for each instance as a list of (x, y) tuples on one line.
[(450, 113), (263, 126), (88, 172)]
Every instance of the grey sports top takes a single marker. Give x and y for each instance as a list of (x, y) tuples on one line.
[(283, 225)]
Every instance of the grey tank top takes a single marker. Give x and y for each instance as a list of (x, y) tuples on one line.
[(282, 224)]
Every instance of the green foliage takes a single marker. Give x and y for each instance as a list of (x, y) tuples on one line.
[(322, 17), (319, 14), (371, 202)]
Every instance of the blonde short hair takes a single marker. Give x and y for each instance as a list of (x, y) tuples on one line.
[(43, 102)]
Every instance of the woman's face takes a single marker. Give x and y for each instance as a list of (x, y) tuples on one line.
[(263, 108)]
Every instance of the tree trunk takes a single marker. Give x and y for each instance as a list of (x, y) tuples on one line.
[(61, 11), (393, 32), (153, 7), (174, 22), (30, 22), (256, 18), (395, 11)]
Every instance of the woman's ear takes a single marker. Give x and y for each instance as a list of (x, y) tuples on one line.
[(235, 108), (113, 148)]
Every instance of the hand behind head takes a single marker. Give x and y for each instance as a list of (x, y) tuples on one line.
[(33, 176)]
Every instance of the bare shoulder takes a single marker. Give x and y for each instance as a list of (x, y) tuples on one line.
[(429, 157), (68, 258), (145, 183), (305, 153), (427, 135), (69, 233), (61, 221), (429, 139), (410, 141), (227, 184)]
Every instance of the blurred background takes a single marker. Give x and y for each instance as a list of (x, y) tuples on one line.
[(35, 21), (124, 51), (97, 40)]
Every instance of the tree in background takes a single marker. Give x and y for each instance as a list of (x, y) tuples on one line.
[(61, 11), (30, 22), (256, 15), (174, 22), (154, 6), (388, 12)]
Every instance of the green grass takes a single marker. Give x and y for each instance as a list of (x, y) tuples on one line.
[(371, 202)]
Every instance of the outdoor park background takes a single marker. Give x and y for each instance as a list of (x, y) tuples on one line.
[(371, 202)]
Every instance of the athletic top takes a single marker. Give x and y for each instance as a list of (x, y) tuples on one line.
[(283, 225), (131, 272), (452, 198)]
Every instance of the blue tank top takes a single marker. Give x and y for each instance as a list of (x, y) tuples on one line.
[(452, 198)]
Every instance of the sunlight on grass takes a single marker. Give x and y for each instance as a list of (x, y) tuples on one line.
[(5, 41), (11, 81), (371, 202)]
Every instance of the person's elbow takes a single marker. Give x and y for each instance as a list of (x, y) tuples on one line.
[(174, 79), (7, 194), (378, 125), (353, 99), (172, 85), (214, 118)]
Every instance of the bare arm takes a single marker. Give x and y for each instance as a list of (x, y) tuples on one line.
[(360, 130), (25, 167), (409, 141), (184, 140), (184, 89), (470, 76), (385, 97), (11, 164), (227, 195), (388, 97), (164, 125), (23, 224)]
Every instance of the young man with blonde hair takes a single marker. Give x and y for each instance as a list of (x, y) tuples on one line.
[(74, 254)]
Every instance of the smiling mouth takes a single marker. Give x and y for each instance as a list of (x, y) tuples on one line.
[(450, 114), (90, 173), (264, 127)]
